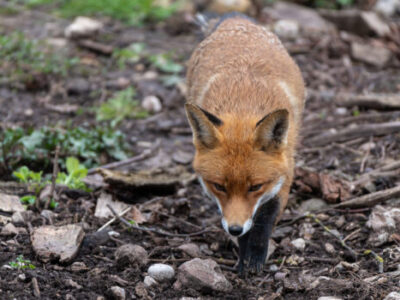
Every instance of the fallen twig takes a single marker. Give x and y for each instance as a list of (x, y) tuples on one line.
[(53, 178), (96, 47), (114, 219), (370, 199), (160, 232), (355, 132), (375, 101), (126, 162)]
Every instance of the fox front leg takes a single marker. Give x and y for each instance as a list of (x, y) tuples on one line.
[(253, 246)]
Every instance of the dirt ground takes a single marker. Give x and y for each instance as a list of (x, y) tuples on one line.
[(337, 160)]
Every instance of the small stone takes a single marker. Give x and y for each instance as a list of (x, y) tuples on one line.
[(79, 266), (312, 205), (392, 296), (78, 86), (329, 298), (161, 272), (341, 111), (60, 242), (383, 222), (152, 104), (340, 222), (191, 249), (22, 277), (323, 217), (131, 255), (279, 276), (273, 268), (202, 274), (9, 203), (182, 157), (299, 244), (329, 248), (47, 214), (117, 293), (373, 55), (287, 29), (149, 281), (9, 229), (141, 291), (21, 217), (73, 284), (82, 27), (387, 8)]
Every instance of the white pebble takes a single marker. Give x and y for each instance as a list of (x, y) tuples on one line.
[(161, 272), (152, 104), (149, 281), (299, 244)]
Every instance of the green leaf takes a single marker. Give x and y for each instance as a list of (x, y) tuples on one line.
[(72, 164), (29, 199)]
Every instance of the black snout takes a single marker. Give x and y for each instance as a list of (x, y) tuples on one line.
[(235, 230)]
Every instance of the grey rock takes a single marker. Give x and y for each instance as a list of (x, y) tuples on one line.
[(117, 293), (161, 272), (310, 22), (312, 205), (61, 242), (329, 298), (359, 22), (131, 255), (102, 211), (9, 229), (299, 244), (202, 274), (10, 203), (387, 8), (392, 296), (287, 29), (21, 216), (78, 86), (191, 249), (82, 27), (373, 55), (152, 104), (182, 157), (149, 281)]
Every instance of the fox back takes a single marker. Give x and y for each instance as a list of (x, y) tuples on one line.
[(244, 105)]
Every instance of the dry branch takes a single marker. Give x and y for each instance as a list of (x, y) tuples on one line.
[(355, 132), (374, 101), (370, 199)]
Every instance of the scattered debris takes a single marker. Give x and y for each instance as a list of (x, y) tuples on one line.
[(9, 229), (299, 244), (363, 23), (105, 199), (393, 296), (383, 221), (201, 275), (371, 100), (149, 281), (61, 242)]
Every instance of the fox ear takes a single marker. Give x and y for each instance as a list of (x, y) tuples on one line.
[(203, 125), (272, 129)]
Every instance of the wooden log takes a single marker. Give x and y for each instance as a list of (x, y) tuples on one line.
[(370, 199), (374, 101), (347, 134)]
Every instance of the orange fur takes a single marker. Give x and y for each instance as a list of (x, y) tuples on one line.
[(240, 74)]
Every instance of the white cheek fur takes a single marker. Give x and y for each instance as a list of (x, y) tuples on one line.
[(269, 195), (210, 195)]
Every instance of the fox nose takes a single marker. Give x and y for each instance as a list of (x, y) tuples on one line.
[(235, 230)]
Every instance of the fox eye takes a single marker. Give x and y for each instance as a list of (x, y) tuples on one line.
[(219, 187), (255, 188)]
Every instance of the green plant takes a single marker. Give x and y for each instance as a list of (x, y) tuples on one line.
[(121, 106), (75, 173), (22, 58), (129, 55), (20, 263), (34, 147), (332, 4), (132, 12), (165, 63)]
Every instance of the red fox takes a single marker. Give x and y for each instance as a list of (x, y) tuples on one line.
[(244, 105)]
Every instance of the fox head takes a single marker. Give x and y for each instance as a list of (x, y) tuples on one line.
[(240, 161)]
